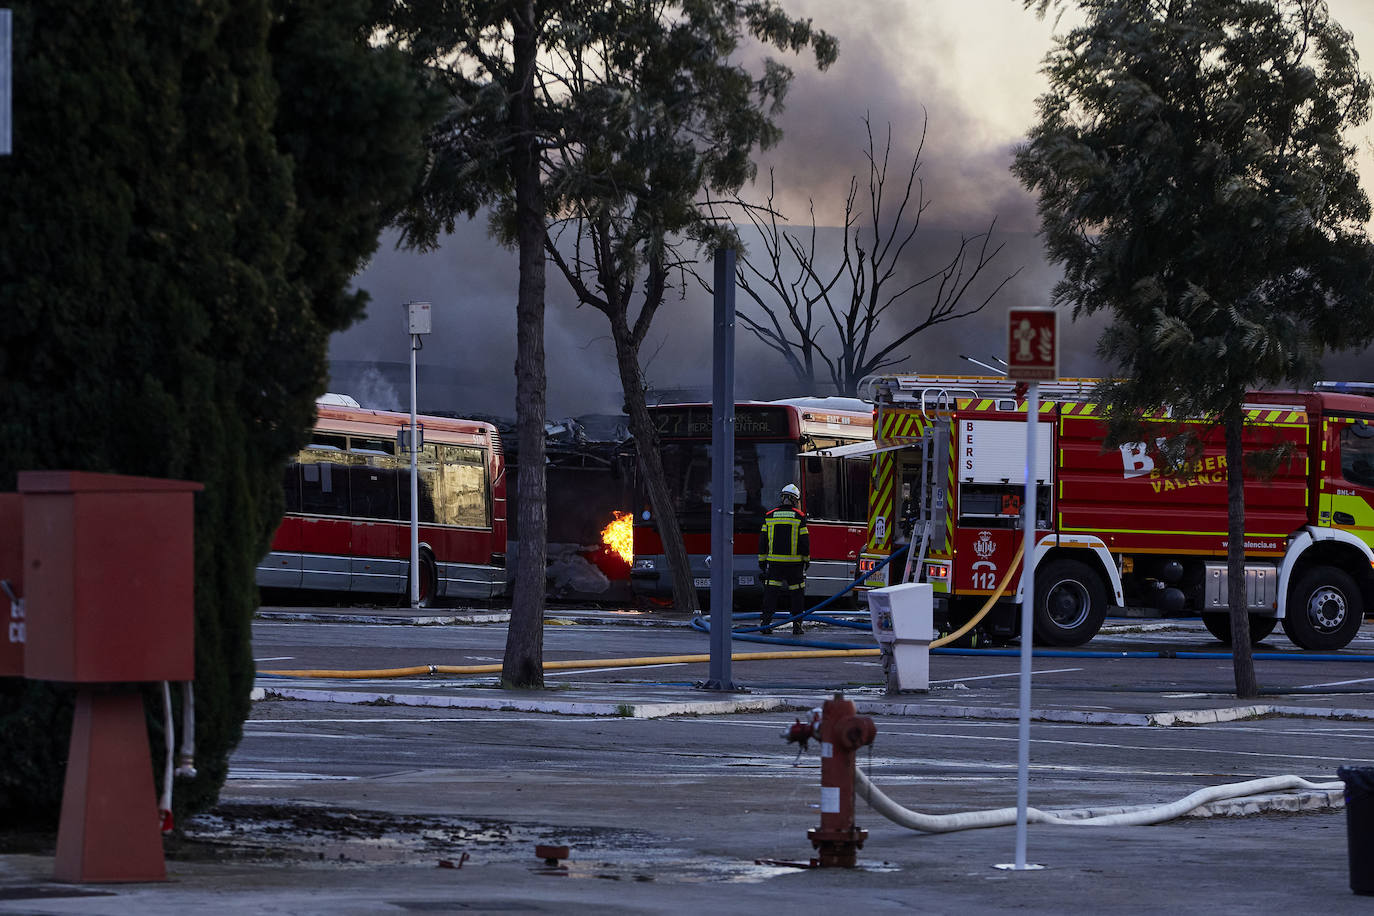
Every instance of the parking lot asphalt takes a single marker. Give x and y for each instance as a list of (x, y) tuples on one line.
[(725, 831)]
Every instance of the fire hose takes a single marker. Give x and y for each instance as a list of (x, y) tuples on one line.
[(1129, 816), (838, 652), (699, 623)]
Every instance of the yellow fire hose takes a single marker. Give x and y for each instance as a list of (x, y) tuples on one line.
[(418, 670)]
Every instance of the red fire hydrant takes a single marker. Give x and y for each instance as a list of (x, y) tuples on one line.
[(837, 840)]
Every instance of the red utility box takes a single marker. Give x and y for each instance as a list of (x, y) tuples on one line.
[(12, 627), (109, 599), (109, 575)]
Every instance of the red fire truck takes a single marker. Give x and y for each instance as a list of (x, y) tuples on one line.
[(1120, 527)]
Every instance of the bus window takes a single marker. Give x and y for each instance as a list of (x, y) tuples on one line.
[(856, 473), (761, 471), (374, 478), (821, 487), (324, 481), (458, 485), (427, 466), (328, 441)]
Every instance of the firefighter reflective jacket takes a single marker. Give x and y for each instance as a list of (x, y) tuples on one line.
[(784, 538)]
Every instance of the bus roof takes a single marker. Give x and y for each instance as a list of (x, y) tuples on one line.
[(362, 420)]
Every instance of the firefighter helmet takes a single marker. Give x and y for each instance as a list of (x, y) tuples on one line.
[(791, 492)]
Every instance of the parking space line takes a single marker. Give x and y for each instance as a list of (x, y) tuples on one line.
[(984, 677), (1358, 680)]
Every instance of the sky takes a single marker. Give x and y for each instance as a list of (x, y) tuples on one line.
[(968, 69)]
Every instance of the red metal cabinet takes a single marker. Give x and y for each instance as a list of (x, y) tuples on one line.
[(109, 574)]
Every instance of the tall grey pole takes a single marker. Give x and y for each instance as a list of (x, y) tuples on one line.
[(1027, 628), (414, 483), (723, 472), (417, 323)]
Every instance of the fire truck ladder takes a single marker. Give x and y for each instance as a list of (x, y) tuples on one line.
[(931, 503), (937, 393)]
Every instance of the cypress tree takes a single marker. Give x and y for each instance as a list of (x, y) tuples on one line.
[(192, 186)]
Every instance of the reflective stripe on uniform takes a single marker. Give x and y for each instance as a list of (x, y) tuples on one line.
[(783, 530)]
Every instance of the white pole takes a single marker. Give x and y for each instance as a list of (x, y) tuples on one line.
[(1027, 626), (414, 484)]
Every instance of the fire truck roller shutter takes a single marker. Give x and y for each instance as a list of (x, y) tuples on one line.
[(1070, 603)]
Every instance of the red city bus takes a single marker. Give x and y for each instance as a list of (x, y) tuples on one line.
[(799, 440), (347, 522)]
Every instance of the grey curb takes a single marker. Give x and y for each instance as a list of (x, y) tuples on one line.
[(1081, 717), (557, 707), (656, 710), (437, 620)]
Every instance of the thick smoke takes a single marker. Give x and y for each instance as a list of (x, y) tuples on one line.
[(967, 69)]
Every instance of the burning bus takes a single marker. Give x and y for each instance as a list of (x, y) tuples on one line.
[(804, 441)]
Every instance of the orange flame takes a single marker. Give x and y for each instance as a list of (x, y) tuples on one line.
[(619, 535)]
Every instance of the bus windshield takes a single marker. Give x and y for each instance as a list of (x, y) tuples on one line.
[(761, 470)]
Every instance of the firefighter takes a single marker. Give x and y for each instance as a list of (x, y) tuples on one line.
[(784, 555)]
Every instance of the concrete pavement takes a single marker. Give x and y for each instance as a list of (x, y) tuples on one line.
[(691, 845)]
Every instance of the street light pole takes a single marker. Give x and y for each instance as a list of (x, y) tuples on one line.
[(418, 323)]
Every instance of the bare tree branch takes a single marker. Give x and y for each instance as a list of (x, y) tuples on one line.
[(855, 318)]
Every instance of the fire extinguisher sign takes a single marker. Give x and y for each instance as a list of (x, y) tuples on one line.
[(1033, 344)]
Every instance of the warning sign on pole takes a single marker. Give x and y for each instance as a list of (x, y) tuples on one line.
[(1033, 345)]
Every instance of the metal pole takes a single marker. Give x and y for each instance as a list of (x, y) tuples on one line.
[(414, 483), (6, 94), (723, 472), (1027, 626)]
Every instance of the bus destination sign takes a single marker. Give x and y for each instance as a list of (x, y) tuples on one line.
[(695, 422)]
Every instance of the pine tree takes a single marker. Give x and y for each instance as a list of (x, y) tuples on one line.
[(1195, 182)]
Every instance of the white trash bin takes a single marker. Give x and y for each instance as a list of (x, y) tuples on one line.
[(903, 625)]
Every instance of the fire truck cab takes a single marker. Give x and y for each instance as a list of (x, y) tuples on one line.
[(1119, 527)]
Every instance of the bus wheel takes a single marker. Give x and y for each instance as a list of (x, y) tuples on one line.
[(1219, 625), (428, 580), (1325, 609), (1070, 603)]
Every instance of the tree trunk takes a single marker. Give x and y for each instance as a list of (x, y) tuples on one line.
[(651, 468), (1243, 660), (523, 664)]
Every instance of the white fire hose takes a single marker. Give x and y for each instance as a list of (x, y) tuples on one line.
[(186, 760), (1132, 816)]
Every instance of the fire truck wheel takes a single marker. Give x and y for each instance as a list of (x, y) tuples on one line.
[(1325, 609), (1070, 603), (1219, 625)]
